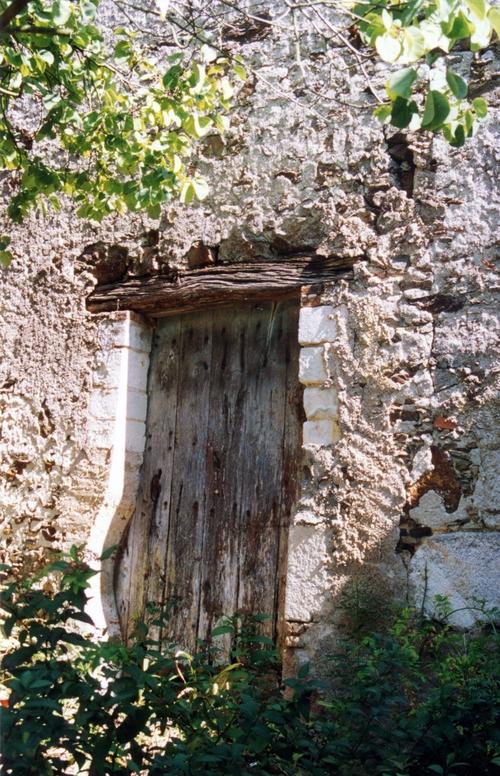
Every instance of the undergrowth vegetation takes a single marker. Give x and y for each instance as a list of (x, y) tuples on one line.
[(417, 698)]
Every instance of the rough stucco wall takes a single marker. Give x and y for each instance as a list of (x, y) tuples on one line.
[(413, 362)]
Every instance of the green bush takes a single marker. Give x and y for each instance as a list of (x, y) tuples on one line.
[(419, 698)]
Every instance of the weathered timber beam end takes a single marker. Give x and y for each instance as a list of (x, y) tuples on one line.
[(217, 286)]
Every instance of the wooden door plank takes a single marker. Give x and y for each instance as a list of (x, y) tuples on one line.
[(188, 500), (292, 445), (261, 465), (142, 563), (221, 530), (159, 462)]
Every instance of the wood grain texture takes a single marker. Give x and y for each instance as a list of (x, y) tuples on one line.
[(223, 431), (217, 286)]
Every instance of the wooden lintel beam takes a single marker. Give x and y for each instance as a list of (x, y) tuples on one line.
[(217, 285)]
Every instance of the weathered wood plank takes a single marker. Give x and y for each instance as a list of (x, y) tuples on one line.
[(216, 286), (292, 442), (225, 449), (261, 464), (159, 459), (143, 553), (188, 500)]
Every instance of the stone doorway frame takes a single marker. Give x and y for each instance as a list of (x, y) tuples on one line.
[(118, 411)]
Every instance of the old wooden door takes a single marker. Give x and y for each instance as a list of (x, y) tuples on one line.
[(219, 476)]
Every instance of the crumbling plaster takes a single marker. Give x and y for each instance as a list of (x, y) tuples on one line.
[(410, 357)]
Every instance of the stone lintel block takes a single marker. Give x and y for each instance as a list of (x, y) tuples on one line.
[(312, 369), (316, 325), (321, 403), (320, 433)]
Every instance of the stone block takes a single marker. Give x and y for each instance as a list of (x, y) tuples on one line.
[(317, 325), (135, 436), (110, 369), (431, 512), (113, 333), (462, 566), (487, 492), (125, 331), (103, 404), (320, 433), (312, 368), (137, 370), (320, 403), (100, 433), (307, 578), (139, 337), (137, 405)]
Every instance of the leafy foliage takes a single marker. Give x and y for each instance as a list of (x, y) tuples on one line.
[(112, 124), (121, 124), (419, 34), (417, 699)]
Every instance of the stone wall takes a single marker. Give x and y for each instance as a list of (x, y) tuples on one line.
[(399, 492)]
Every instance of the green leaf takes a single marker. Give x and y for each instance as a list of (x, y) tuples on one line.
[(458, 139), (383, 112), (402, 112), (494, 19), (107, 553), (401, 82), (201, 188), (240, 71), (461, 28), (457, 84), (478, 7), (388, 47), (198, 126), (221, 630), (469, 122), (480, 106), (154, 211), (187, 193), (436, 110), (6, 258), (61, 11), (414, 46)]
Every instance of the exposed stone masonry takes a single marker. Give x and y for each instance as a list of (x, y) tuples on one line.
[(400, 485)]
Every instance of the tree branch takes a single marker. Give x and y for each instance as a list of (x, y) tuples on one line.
[(13, 10)]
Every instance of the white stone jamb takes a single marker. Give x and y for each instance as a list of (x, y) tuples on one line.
[(316, 330), (307, 576), (117, 422)]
